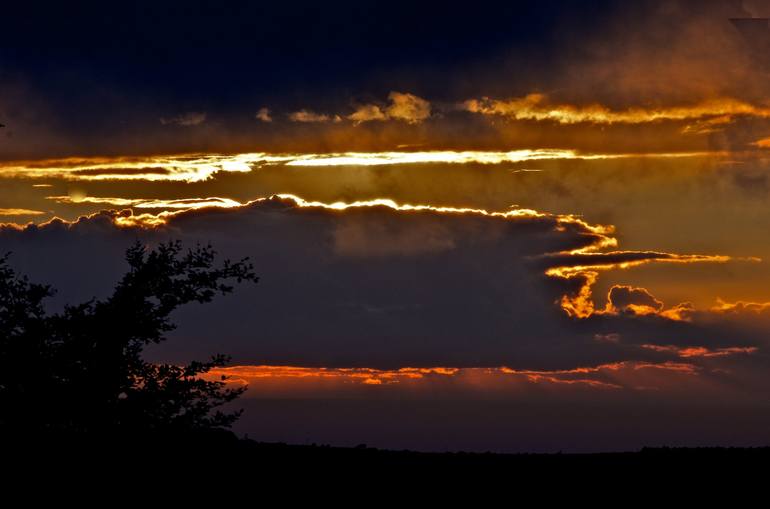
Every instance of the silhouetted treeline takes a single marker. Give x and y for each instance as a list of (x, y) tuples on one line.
[(203, 453)]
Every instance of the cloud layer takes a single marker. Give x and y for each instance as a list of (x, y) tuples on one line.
[(381, 285)]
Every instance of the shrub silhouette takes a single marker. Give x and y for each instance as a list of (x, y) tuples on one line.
[(82, 370)]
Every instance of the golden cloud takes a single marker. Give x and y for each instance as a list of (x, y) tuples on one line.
[(537, 107), (405, 107), (200, 167), (740, 307), (264, 115), (310, 117), (367, 113), (20, 212), (183, 204)]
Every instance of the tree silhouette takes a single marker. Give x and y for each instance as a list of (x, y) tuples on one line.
[(82, 370)]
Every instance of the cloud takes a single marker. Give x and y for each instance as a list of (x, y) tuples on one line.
[(582, 265), (189, 168), (142, 203), (537, 107), (380, 301), (293, 379), (263, 115), (628, 299), (374, 288), (740, 307), (367, 238), (367, 113), (367, 376), (701, 351), (306, 116), (403, 106), (694, 58), (408, 107), (381, 285), (333, 293), (200, 167), (20, 212), (192, 118)]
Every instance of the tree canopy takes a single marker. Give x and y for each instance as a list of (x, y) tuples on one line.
[(82, 369)]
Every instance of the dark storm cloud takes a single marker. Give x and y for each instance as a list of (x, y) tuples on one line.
[(60, 94), (372, 287)]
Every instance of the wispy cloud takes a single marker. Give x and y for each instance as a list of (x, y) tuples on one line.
[(538, 107), (309, 117), (189, 119), (20, 212)]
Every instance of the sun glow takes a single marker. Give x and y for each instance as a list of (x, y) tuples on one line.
[(200, 167), (181, 204)]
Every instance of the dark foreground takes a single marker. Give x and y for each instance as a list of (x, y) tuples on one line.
[(196, 452), (220, 469)]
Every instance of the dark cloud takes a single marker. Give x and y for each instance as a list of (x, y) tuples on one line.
[(630, 299), (381, 290), (370, 287)]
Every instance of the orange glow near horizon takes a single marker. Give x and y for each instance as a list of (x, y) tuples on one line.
[(699, 351), (610, 376), (240, 374)]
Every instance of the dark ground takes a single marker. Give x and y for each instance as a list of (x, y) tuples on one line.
[(196, 451), (223, 470)]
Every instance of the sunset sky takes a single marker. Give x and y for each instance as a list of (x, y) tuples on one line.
[(523, 227)]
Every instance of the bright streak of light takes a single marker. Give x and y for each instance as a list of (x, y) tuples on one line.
[(201, 167)]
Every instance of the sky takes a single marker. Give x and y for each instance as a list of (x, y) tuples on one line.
[(526, 227)]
